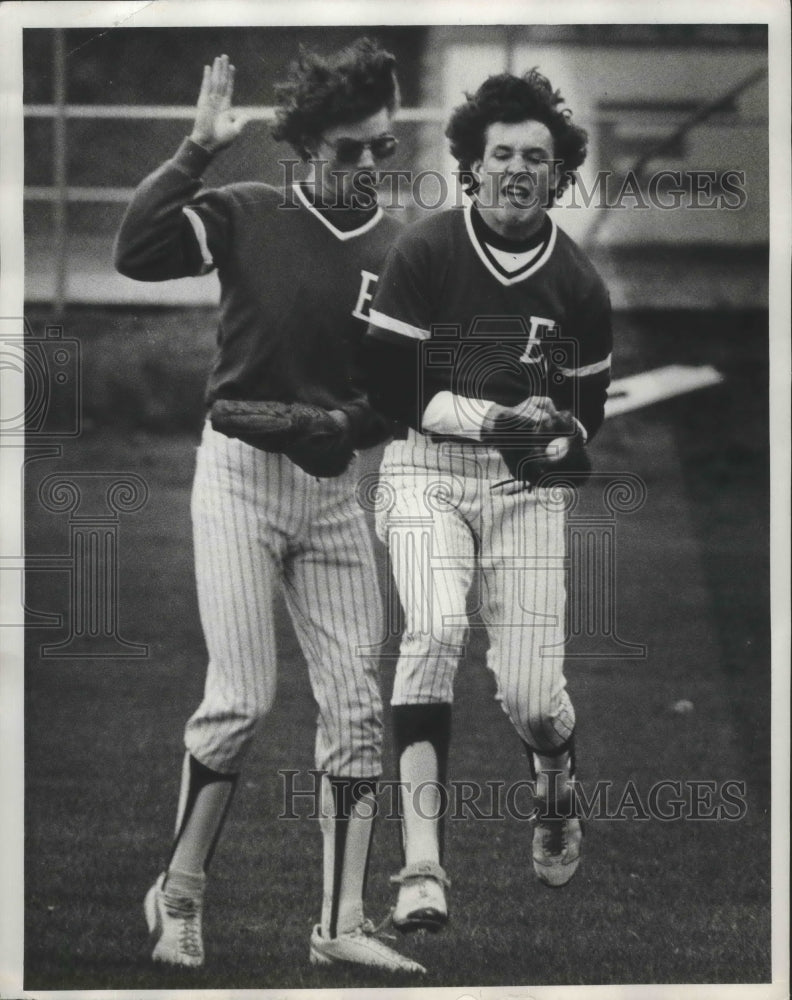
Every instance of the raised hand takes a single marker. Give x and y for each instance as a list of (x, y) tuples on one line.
[(217, 124)]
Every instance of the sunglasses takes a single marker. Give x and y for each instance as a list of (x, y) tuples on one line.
[(351, 150)]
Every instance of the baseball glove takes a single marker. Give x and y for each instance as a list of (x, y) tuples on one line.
[(536, 439), (317, 440)]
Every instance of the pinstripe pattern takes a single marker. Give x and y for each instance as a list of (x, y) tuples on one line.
[(447, 525), (259, 521)]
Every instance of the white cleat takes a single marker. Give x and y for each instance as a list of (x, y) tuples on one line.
[(557, 840), (174, 923), (421, 904), (359, 947)]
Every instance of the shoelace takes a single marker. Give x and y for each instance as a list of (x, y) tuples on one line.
[(554, 828), (375, 934), (553, 835), (186, 911), (370, 929)]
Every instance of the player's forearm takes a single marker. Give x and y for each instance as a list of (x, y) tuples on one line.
[(155, 241), (592, 416), (580, 385), (450, 415), (585, 398)]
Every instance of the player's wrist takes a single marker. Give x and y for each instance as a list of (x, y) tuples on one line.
[(494, 414), (192, 158), (536, 410), (204, 141)]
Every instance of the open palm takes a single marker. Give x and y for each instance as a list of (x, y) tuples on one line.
[(217, 124)]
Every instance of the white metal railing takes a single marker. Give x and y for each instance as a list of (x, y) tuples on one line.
[(107, 194), (177, 111)]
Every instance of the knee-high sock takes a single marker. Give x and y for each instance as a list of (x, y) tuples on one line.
[(552, 770), (422, 734), (204, 801), (348, 807)]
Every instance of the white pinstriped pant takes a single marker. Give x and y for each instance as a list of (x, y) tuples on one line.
[(260, 521), (442, 525)]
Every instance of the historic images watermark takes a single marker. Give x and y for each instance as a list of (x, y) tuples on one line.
[(664, 190), (44, 380), (48, 404), (667, 800)]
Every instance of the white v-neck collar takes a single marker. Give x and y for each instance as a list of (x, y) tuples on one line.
[(513, 262), (521, 275), (338, 233)]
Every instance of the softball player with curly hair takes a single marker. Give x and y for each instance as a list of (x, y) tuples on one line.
[(490, 341), (273, 501)]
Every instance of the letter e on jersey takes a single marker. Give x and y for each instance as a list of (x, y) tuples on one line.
[(365, 295), (539, 327)]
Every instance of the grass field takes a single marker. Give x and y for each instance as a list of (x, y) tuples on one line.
[(655, 901)]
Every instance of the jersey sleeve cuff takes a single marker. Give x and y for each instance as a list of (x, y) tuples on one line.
[(191, 158), (455, 416)]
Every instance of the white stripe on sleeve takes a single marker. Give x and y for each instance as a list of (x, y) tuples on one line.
[(199, 229), (397, 326), (592, 369)]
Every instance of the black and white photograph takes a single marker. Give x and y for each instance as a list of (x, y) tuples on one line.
[(394, 443)]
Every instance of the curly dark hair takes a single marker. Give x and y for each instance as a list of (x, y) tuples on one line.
[(508, 98), (324, 91)]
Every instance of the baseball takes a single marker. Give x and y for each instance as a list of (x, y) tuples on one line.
[(682, 707), (557, 449)]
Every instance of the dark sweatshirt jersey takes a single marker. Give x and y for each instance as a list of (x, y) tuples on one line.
[(295, 288), (448, 316)]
